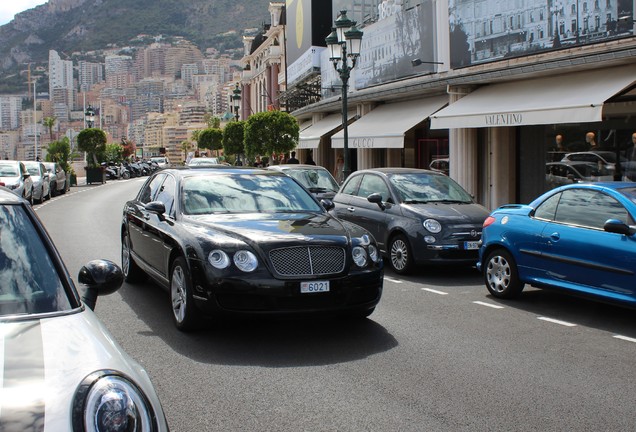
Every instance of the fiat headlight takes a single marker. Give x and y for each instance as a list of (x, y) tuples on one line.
[(432, 226), (219, 259), (359, 256), (106, 402), (245, 261)]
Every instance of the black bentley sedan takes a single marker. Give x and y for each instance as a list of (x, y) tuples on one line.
[(234, 240)]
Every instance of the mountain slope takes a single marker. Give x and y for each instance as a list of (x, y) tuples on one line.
[(84, 25)]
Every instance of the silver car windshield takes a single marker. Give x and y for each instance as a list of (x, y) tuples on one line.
[(33, 168), (421, 188), (7, 170), (29, 282), (239, 193), (315, 180)]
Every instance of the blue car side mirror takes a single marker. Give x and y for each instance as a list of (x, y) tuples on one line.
[(618, 227)]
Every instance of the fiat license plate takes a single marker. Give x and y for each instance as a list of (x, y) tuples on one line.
[(314, 287), (471, 245)]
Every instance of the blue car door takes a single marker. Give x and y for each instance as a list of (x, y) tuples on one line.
[(580, 255)]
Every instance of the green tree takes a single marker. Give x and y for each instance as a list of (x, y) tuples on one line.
[(234, 138), (211, 139), (49, 123), (60, 152), (270, 132), (93, 142), (114, 152)]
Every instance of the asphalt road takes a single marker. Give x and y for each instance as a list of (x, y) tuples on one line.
[(439, 354)]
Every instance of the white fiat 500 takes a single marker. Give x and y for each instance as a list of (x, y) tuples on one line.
[(60, 369)]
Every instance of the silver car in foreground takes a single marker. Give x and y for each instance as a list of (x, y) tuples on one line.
[(60, 369)]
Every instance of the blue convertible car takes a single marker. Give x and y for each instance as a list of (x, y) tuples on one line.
[(579, 238)]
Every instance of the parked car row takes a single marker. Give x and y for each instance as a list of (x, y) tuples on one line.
[(33, 181)]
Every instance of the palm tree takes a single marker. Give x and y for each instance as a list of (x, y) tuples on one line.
[(49, 122), (185, 147)]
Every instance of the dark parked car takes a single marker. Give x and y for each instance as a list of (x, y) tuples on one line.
[(61, 370), (318, 180), (578, 238), (246, 241), (417, 216)]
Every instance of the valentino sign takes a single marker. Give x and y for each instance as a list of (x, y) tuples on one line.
[(506, 119)]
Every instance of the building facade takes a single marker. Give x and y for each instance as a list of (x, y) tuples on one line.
[(486, 85)]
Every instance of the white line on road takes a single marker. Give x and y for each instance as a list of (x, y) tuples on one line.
[(554, 321), (490, 305), (434, 291), (390, 279), (625, 338)]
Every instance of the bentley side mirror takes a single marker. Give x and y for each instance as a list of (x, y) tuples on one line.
[(327, 204)]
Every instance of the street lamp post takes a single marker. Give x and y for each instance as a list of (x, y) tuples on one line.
[(344, 44), (89, 116), (236, 99)]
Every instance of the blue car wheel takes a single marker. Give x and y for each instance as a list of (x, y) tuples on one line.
[(501, 275)]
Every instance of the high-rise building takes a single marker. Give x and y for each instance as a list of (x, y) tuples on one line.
[(10, 107), (90, 74), (60, 84)]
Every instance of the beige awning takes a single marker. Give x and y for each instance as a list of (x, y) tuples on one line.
[(568, 98), (385, 126), (310, 137)]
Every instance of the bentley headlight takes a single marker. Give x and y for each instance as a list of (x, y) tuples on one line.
[(373, 253), (218, 259), (432, 226), (105, 402), (245, 261), (359, 256)]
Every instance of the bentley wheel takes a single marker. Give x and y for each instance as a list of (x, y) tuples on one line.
[(132, 272), (501, 275), (400, 257), (184, 311)]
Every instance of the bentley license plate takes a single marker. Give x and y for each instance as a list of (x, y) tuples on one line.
[(471, 245), (314, 287)]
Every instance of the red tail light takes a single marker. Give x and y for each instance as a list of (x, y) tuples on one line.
[(489, 221), (2, 184)]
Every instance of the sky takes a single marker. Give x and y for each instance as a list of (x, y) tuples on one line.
[(8, 8)]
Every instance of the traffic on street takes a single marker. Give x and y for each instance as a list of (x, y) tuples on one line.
[(439, 352)]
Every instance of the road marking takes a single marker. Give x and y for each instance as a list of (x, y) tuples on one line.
[(434, 291), (625, 338), (490, 305), (554, 321), (390, 279)]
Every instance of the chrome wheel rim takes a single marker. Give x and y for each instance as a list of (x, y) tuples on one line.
[(399, 254), (498, 274), (125, 255), (178, 294)]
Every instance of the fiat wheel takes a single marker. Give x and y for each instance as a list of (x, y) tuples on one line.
[(501, 275), (400, 257)]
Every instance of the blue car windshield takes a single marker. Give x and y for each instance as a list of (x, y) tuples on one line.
[(29, 282), (415, 188), (629, 193), (245, 193)]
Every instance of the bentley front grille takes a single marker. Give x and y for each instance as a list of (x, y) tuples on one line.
[(308, 260)]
